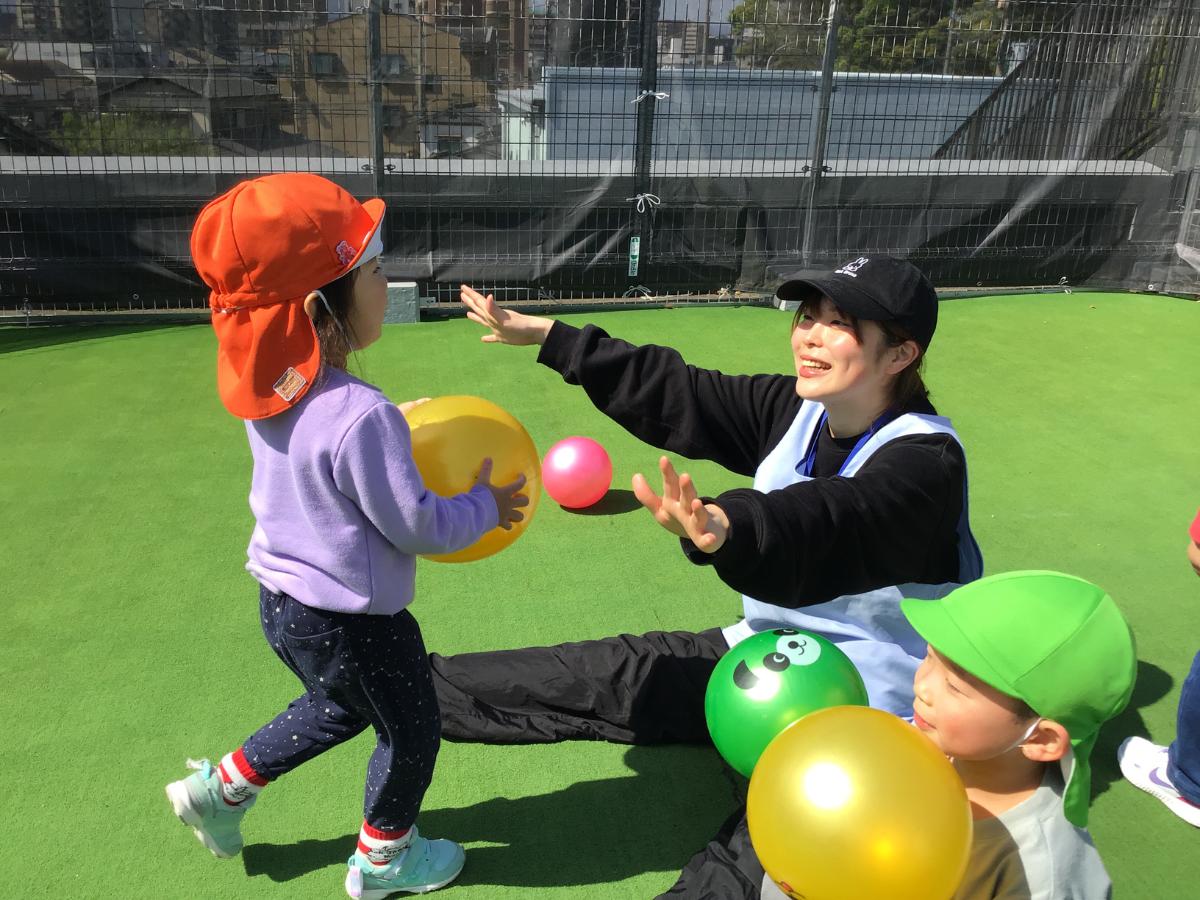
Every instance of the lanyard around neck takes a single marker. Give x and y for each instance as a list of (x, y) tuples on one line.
[(805, 466)]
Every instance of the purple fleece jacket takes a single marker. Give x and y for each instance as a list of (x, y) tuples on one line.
[(340, 506)]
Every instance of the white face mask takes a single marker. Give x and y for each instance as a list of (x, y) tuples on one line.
[(336, 321), (1026, 736), (328, 308)]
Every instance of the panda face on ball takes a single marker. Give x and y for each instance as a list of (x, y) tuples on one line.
[(792, 649)]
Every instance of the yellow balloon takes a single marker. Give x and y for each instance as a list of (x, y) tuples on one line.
[(852, 803), (450, 438)]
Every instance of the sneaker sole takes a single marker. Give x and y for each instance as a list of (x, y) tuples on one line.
[(1170, 800), (1189, 814), (355, 888), (181, 803)]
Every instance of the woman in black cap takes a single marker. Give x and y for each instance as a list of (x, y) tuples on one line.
[(859, 499)]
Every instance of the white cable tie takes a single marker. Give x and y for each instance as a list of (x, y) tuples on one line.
[(645, 201), (657, 95)]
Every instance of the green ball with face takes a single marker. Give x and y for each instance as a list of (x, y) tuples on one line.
[(768, 681)]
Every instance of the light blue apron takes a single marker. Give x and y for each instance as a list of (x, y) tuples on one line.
[(869, 627)]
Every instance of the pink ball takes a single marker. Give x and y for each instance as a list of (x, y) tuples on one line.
[(576, 472)]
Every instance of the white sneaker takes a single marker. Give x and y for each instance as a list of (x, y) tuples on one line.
[(198, 802), (1144, 765), (423, 867)]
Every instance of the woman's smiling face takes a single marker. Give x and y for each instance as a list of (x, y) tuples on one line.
[(838, 360)]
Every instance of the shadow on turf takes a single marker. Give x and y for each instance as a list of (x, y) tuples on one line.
[(1152, 685), (614, 503), (596, 832), (14, 338), (593, 832)]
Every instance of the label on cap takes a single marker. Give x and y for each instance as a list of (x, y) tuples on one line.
[(289, 384), (345, 253), (851, 268)]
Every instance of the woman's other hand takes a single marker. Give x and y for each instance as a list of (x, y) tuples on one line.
[(507, 327), (680, 511)]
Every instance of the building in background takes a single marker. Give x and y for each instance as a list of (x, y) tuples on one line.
[(432, 103), (732, 113)]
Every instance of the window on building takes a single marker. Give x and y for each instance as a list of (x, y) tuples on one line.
[(324, 63), (449, 145), (393, 64)]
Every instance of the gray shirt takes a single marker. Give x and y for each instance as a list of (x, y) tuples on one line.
[(1030, 852)]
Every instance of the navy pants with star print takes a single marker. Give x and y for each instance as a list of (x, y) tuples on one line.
[(357, 670)]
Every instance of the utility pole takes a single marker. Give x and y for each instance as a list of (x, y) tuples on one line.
[(949, 36), (820, 130), (375, 90), (420, 96)]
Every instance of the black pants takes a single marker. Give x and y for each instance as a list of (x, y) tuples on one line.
[(356, 671), (630, 689), (727, 869)]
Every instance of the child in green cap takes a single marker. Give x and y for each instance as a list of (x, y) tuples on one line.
[(1021, 671)]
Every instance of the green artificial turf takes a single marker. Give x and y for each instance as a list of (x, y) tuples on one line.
[(131, 641)]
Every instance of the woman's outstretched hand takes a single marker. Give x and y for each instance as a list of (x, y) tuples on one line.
[(680, 511), (507, 327)]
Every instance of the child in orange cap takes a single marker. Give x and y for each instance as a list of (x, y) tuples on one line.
[(341, 513)]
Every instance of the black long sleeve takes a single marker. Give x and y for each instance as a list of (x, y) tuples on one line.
[(732, 420), (895, 521)]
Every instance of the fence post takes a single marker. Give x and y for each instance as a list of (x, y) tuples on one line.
[(375, 92), (1183, 111), (643, 152), (820, 130)]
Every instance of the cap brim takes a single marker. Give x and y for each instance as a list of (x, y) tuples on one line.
[(372, 241), (1194, 531), (842, 292), (933, 622)]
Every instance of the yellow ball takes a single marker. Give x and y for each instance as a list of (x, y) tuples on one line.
[(851, 803), (450, 438)]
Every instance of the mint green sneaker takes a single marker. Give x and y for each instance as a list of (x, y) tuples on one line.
[(425, 866), (198, 802)]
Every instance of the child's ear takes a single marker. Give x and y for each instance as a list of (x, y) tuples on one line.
[(1048, 743), (310, 305)]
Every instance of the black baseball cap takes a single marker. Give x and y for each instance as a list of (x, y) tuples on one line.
[(878, 288)]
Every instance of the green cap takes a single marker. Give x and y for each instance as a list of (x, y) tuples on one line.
[(1055, 641)]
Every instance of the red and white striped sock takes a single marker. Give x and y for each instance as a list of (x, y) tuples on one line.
[(382, 847), (239, 781)]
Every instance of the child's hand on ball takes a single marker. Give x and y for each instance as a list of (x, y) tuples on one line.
[(507, 499), (409, 405)]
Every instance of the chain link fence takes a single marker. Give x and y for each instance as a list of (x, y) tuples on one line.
[(569, 151)]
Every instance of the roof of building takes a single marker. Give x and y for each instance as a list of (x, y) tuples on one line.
[(218, 85)]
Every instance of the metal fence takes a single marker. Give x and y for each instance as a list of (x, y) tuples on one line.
[(559, 150)]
